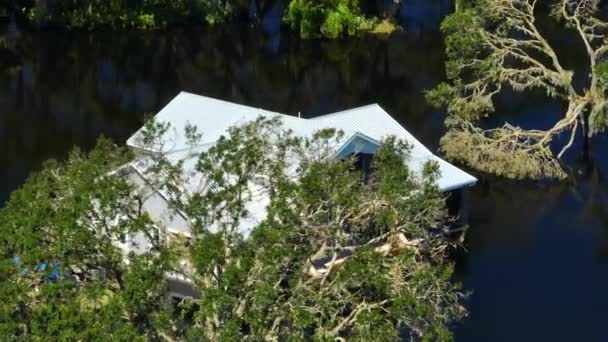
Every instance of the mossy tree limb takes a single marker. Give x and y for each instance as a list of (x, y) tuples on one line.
[(497, 45)]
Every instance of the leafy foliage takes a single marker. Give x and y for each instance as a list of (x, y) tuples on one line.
[(311, 19), (326, 18), (337, 255), (598, 117), (495, 45), (70, 215), (381, 242), (121, 14)]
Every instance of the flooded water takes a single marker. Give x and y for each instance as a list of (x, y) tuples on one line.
[(537, 259)]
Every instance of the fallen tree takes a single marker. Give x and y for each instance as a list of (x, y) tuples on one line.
[(497, 45)]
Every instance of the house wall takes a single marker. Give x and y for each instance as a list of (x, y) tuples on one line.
[(159, 210), (358, 145), (458, 205)]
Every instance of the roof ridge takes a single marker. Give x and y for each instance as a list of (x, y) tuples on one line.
[(234, 104), (346, 111)]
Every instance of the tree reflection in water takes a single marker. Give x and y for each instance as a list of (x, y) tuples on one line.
[(537, 253), (64, 89)]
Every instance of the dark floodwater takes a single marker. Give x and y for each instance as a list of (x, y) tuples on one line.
[(538, 253)]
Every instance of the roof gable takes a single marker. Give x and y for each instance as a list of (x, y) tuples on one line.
[(366, 126), (357, 143)]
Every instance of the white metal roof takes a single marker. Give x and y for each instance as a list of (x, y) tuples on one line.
[(213, 117)]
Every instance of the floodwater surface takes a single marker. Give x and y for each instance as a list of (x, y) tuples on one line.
[(537, 260)]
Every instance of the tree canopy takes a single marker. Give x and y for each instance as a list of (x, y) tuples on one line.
[(310, 19), (337, 256), (493, 46), (337, 18), (122, 14), (62, 276)]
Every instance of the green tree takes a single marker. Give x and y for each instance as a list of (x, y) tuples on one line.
[(338, 254), (497, 45), (460, 5), (310, 19), (63, 276), (326, 18), (123, 14)]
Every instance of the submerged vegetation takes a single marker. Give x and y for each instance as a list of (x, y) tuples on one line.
[(496, 46), (309, 18), (388, 272), (333, 19), (123, 14), (329, 18), (383, 244)]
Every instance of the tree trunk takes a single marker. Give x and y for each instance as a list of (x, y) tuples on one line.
[(577, 110)]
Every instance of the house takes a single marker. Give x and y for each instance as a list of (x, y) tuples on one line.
[(364, 128)]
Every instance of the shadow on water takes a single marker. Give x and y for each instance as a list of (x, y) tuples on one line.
[(538, 253)]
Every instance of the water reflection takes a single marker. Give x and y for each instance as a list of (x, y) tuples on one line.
[(538, 253), (537, 261), (59, 90), (421, 15)]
